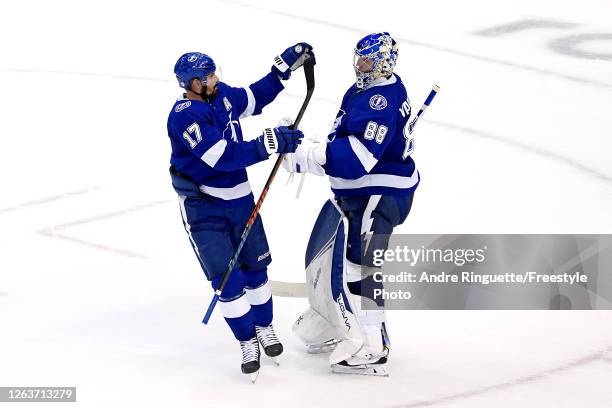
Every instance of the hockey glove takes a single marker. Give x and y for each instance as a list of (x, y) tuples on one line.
[(291, 59), (279, 140), (308, 158)]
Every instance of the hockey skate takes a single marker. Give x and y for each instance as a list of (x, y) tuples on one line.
[(375, 368), (367, 361), (270, 343), (250, 358)]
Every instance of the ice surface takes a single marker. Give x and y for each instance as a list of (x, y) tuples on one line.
[(100, 290)]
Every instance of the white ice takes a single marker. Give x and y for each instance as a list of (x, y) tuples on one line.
[(99, 288)]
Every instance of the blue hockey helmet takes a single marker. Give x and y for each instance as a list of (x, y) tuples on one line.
[(193, 65), (375, 57)]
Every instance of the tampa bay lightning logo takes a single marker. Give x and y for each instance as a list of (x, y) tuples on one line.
[(192, 58), (378, 102)]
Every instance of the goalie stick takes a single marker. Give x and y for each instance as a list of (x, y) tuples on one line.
[(409, 128), (310, 84), (432, 94)]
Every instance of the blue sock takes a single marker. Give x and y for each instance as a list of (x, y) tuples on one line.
[(235, 306), (259, 294)]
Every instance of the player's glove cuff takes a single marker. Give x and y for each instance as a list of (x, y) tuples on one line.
[(270, 141), (281, 69), (280, 64)]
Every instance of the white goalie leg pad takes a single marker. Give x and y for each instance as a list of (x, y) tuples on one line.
[(326, 281), (315, 332)]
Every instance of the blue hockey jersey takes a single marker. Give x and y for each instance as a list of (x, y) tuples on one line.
[(368, 149), (206, 139)]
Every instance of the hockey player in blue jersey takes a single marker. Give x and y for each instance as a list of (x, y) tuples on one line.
[(367, 160), (208, 162)]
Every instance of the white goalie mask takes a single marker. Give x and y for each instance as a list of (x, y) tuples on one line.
[(375, 56)]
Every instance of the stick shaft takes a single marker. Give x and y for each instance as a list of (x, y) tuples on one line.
[(309, 73), (432, 94)]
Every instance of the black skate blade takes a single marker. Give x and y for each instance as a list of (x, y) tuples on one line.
[(376, 370)]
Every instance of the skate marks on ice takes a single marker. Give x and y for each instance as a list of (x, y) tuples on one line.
[(521, 25), (566, 45), (439, 48), (603, 356), (547, 154), (60, 231), (570, 46), (49, 199)]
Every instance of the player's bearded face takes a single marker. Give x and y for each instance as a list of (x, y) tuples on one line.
[(211, 85)]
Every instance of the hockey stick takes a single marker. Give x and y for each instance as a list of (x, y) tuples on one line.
[(412, 123), (432, 94), (310, 84)]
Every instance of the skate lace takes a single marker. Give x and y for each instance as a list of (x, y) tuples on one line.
[(266, 335), (250, 350)]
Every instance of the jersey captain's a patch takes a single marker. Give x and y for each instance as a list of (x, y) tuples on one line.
[(378, 102)]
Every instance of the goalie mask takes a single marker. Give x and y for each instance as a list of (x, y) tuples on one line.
[(375, 57)]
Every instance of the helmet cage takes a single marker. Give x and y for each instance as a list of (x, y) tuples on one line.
[(374, 57)]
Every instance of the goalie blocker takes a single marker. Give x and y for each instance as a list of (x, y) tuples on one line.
[(342, 312)]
